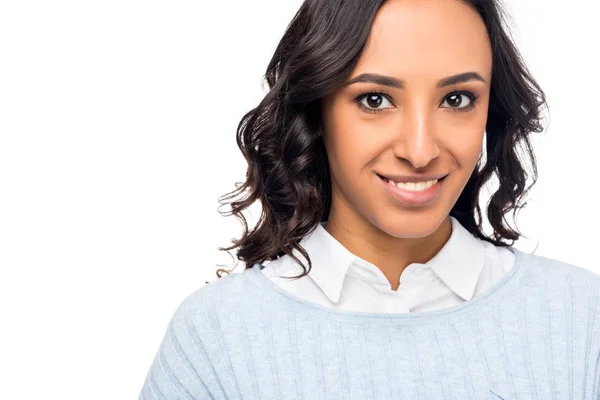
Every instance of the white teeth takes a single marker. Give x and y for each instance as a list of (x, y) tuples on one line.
[(414, 186)]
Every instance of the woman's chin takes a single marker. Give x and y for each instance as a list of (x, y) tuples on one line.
[(406, 226)]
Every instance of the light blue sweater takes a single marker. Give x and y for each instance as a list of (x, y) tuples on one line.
[(533, 335)]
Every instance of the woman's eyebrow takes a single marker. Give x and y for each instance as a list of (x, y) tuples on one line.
[(460, 78), (398, 83)]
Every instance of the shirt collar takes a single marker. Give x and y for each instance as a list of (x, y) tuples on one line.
[(458, 264)]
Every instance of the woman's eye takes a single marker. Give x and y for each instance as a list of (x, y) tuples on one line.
[(374, 102), (460, 101)]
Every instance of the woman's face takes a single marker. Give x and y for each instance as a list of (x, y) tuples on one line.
[(423, 117)]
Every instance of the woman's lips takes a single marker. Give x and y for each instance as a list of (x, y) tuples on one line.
[(409, 198)]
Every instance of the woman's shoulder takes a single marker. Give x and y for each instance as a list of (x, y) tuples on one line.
[(199, 329), (222, 293), (565, 292), (215, 300), (563, 279), (554, 268)]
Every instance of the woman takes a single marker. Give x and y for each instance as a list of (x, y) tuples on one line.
[(368, 275)]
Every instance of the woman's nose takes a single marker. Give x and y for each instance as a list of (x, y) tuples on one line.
[(416, 139)]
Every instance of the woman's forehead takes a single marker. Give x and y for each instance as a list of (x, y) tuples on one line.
[(437, 37)]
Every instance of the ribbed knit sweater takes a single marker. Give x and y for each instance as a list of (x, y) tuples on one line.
[(533, 335)]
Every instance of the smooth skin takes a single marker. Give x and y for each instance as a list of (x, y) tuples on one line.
[(420, 128)]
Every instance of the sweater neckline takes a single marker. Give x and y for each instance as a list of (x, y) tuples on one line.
[(456, 312)]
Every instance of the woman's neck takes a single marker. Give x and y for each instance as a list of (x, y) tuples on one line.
[(390, 254)]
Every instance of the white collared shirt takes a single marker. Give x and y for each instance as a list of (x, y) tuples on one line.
[(464, 268)]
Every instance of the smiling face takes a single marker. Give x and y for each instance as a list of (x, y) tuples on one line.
[(415, 106)]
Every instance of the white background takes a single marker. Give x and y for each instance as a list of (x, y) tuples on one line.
[(117, 136)]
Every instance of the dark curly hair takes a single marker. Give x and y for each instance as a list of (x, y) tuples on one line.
[(288, 171)]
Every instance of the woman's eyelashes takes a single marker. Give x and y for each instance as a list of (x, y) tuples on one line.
[(378, 101), (455, 100), (371, 101)]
